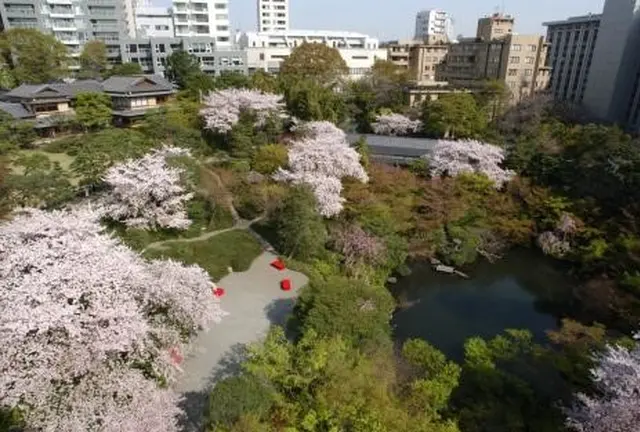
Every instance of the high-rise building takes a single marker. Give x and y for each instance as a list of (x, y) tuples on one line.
[(612, 92), (572, 42), (153, 22), (203, 18), (422, 58), (519, 61), (433, 23), (273, 15)]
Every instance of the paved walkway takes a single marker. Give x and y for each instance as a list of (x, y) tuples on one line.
[(255, 302)]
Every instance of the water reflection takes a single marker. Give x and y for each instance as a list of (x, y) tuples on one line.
[(525, 290)]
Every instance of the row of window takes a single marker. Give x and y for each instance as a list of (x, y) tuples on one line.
[(514, 72), (518, 47), (527, 60)]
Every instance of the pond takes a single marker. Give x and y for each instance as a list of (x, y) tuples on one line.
[(525, 290)]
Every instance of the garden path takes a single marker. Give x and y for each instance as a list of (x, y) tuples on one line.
[(255, 302)]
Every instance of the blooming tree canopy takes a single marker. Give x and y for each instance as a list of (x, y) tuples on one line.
[(223, 107), (358, 246), (468, 156), (395, 124), (321, 158), (86, 321), (146, 192), (617, 407)]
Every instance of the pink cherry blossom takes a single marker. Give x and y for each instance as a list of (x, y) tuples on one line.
[(81, 313), (321, 158), (395, 125), (468, 156), (615, 407), (146, 192), (223, 107), (357, 245)]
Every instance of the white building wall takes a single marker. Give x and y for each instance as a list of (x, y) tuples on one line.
[(153, 22), (433, 22), (202, 18), (273, 15), (266, 51)]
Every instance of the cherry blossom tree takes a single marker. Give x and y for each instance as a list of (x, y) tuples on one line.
[(321, 158), (616, 407), (146, 192), (557, 243), (468, 156), (86, 323), (395, 124), (357, 245), (223, 107)]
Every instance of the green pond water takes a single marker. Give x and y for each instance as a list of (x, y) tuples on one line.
[(524, 290)]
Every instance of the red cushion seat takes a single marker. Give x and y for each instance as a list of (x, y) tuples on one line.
[(278, 264), (285, 284), (218, 292)]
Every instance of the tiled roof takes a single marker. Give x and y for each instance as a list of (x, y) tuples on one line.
[(31, 91), (15, 110), (136, 84)]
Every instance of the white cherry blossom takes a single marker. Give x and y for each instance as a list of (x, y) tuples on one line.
[(395, 125)]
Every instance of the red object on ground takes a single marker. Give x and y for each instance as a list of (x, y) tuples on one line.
[(176, 357), (218, 292), (285, 285), (278, 264)]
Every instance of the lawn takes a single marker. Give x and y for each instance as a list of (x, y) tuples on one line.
[(62, 158), (235, 249)]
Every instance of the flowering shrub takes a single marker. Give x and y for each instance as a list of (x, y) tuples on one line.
[(146, 192), (395, 124), (320, 159), (223, 107), (615, 408), (86, 321), (357, 245), (469, 156)]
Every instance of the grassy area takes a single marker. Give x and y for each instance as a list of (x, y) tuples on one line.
[(62, 158), (236, 249), (204, 218)]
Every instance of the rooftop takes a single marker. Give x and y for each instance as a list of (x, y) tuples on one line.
[(310, 33), (575, 19), (136, 84)]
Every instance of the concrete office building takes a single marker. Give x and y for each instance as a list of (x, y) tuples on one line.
[(572, 42), (202, 18), (152, 53), (611, 93), (433, 23), (153, 22), (266, 51), (273, 15), (422, 58), (497, 53)]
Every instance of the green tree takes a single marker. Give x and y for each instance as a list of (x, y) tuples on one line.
[(493, 98), (234, 397), (454, 115), (314, 61), (5, 204), (389, 82), (93, 59), (7, 81), (300, 229), (15, 134), (350, 307), (263, 81), (32, 56), (93, 110), (267, 159), (310, 101), (125, 69), (198, 85), (232, 79), (181, 66), (40, 184)]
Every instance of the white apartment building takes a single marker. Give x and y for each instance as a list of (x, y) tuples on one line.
[(153, 22), (433, 23), (273, 15), (267, 50), (202, 18)]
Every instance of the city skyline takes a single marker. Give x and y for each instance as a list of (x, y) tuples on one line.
[(398, 22)]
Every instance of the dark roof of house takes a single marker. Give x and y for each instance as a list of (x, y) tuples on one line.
[(137, 84), (395, 146), (55, 90), (15, 110)]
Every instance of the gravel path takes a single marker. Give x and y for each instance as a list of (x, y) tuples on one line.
[(255, 302)]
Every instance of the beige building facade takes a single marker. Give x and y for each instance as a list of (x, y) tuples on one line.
[(497, 53), (422, 58)]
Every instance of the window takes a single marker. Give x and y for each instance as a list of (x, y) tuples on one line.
[(513, 72), (356, 57), (529, 60), (516, 47), (528, 72), (533, 48), (220, 6), (261, 56), (514, 59)]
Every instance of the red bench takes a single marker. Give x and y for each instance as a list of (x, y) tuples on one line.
[(278, 264), (218, 292), (285, 284)]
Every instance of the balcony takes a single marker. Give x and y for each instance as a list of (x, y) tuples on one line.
[(60, 2), (105, 28), (70, 41), (19, 13), (64, 27)]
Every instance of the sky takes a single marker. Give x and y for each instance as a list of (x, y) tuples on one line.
[(395, 19)]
